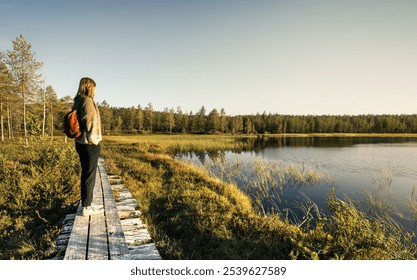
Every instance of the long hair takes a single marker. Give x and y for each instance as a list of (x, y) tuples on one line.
[(86, 87)]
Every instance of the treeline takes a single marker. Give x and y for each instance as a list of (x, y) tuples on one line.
[(146, 120), (29, 107)]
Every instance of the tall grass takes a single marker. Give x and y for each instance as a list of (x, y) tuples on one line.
[(38, 187), (265, 181)]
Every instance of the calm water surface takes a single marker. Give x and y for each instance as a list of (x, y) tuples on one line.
[(355, 164)]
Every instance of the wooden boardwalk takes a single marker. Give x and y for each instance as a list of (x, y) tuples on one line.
[(102, 237)]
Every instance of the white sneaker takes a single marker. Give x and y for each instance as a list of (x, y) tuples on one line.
[(92, 210)]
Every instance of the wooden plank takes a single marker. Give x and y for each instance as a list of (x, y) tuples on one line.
[(77, 244), (117, 244), (97, 243), (98, 192), (145, 252)]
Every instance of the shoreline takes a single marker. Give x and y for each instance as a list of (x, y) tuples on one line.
[(335, 134), (381, 135)]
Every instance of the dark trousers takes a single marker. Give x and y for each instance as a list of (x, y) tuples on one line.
[(89, 160)]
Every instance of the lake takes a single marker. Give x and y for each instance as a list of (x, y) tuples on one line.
[(383, 167)]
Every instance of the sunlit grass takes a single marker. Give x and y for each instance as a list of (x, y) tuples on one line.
[(182, 143), (38, 187)]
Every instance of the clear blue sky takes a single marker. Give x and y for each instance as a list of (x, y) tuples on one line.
[(287, 57)]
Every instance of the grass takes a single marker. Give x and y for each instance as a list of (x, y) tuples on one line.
[(192, 215), (182, 142), (38, 187)]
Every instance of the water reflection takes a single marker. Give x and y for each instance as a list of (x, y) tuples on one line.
[(261, 143)]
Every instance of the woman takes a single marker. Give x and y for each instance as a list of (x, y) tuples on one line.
[(88, 144)]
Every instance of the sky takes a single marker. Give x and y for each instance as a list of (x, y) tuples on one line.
[(292, 57)]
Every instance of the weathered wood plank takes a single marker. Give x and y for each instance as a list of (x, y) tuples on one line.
[(124, 194), (117, 244), (133, 222), (77, 244), (117, 187), (137, 235), (97, 244), (145, 252), (98, 192)]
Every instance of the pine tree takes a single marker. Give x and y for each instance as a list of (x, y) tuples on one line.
[(248, 126), (149, 117), (43, 92), (180, 121), (106, 116), (166, 120), (7, 99), (24, 68), (213, 121), (201, 120), (5, 81), (51, 102)]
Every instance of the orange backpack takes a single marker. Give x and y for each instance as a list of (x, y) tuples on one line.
[(71, 126)]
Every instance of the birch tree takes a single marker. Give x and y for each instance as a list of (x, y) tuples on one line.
[(24, 68)]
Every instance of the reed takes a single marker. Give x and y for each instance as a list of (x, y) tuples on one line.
[(265, 181)]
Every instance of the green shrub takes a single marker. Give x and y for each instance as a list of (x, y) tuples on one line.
[(38, 187)]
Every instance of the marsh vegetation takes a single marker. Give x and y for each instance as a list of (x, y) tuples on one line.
[(192, 213), (38, 187)]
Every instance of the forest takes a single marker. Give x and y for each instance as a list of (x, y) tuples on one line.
[(29, 107)]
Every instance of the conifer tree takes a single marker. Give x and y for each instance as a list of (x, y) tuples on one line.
[(106, 116), (50, 100), (7, 99), (201, 120), (223, 121), (5, 85), (149, 117), (171, 119), (213, 121), (24, 67), (180, 121), (140, 118)]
